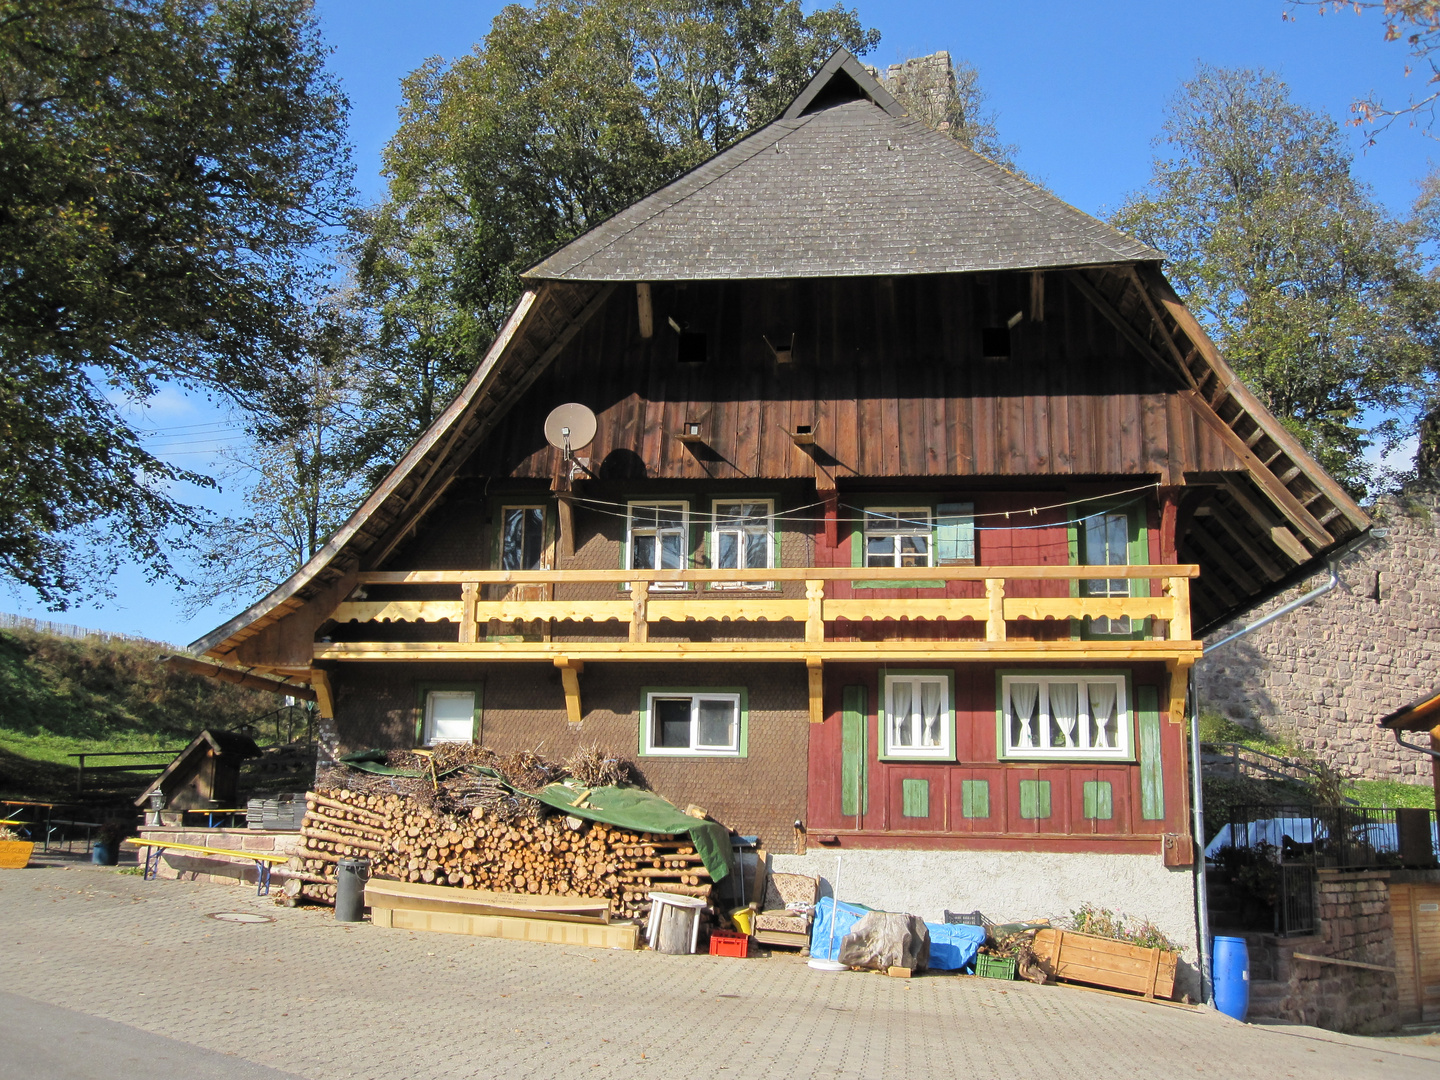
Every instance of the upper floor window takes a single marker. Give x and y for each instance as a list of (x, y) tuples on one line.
[(1076, 714), (897, 536), (742, 537), (917, 720), (657, 538), (522, 538), (1106, 539)]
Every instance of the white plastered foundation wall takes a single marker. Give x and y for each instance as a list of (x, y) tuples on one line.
[(1012, 885)]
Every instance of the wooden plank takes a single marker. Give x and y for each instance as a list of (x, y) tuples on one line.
[(570, 680), (414, 896), (854, 786), (401, 611), (324, 694), (1114, 964), (1279, 535), (856, 610), (1137, 607), (1051, 572), (763, 651), (1237, 532), (624, 936), (995, 609), (1223, 559), (645, 310), (815, 672), (1315, 959), (1152, 772)]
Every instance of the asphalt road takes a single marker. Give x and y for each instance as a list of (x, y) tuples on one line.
[(47, 1042)]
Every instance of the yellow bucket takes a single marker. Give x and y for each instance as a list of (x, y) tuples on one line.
[(741, 917)]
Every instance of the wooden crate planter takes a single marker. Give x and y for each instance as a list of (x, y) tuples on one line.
[(1098, 961), (15, 854)]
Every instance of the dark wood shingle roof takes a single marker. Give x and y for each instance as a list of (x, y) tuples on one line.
[(847, 189)]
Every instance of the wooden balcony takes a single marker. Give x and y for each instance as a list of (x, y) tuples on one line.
[(654, 597)]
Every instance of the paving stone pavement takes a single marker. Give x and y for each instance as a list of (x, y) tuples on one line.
[(325, 1001)]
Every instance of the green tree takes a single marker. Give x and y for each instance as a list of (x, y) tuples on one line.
[(566, 113), (1314, 294), (167, 168)]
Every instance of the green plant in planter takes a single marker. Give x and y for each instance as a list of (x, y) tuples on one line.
[(1102, 922)]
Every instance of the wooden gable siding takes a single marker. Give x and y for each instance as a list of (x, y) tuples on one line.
[(887, 371)]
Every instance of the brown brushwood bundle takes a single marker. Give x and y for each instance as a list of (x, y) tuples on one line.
[(410, 839)]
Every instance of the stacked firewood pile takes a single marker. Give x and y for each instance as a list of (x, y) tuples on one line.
[(429, 834)]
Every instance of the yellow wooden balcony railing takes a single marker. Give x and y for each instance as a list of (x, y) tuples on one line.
[(655, 596)]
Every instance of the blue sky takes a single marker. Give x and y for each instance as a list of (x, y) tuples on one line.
[(1080, 88)]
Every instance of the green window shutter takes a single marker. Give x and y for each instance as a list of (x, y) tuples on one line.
[(854, 798), (1034, 799), (1099, 800), (1152, 776), (975, 798), (954, 533), (915, 798)]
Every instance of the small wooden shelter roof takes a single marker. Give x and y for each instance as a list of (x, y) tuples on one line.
[(843, 184), (1422, 714), (221, 742), (918, 203)]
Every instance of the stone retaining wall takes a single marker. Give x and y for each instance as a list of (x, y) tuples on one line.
[(1323, 675), (219, 869)]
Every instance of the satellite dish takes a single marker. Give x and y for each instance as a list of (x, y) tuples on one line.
[(570, 427)]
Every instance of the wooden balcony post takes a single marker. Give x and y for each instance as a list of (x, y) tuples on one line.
[(995, 623), (815, 611), (815, 668), (1179, 590), (570, 679), (469, 594), (639, 611)]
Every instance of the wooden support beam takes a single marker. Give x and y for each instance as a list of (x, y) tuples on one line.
[(240, 678), (1243, 540), (995, 623), (324, 693), (565, 513), (639, 611), (1179, 689), (1037, 295), (1224, 559), (1279, 534), (814, 611), (1127, 330), (1180, 623), (644, 309), (570, 679), (815, 669), (469, 596)]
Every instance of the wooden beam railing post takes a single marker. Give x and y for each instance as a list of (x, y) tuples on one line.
[(639, 611), (995, 622), (1179, 590), (815, 669), (469, 595), (815, 611), (570, 679)]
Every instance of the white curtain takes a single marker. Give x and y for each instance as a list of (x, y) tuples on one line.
[(930, 708), (1065, 708), (1023, 697), (1102, 707), (900, 701)]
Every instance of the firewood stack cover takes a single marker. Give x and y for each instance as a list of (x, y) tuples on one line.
[(422, 830)]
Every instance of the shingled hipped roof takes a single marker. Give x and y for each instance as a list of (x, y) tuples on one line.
[(841, 187)]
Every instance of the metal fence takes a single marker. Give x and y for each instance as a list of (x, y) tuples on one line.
[(1345, 837)]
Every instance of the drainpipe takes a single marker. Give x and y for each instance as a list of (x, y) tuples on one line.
[(1412, 746), (1197, 791)]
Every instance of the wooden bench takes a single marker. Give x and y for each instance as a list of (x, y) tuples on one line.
[(263, 860)]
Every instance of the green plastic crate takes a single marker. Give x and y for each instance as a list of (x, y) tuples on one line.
[(995, 967)]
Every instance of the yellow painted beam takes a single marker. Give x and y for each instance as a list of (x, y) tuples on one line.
[(815, 669), (570, 679)]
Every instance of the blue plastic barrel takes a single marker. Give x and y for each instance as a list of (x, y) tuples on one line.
[(1230, 965)]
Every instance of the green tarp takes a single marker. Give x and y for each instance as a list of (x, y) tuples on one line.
[(643, 811), (373, 761)]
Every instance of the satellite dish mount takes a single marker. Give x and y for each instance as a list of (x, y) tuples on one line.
[(569, 428)]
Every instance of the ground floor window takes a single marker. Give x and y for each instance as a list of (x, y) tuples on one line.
[(693, 722), (1077, 715), (449, 715), (917, 721)]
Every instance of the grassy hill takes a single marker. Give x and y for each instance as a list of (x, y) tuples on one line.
[(61, 695)]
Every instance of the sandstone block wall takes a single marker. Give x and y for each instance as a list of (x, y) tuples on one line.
[(1322, 676)]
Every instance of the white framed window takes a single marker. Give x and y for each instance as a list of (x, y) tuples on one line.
[(898, 536), (1073, 715), (917, 720), (742, 537), (1107, 543), (693, 723), (522, 538), (658, 538), (449, 717)]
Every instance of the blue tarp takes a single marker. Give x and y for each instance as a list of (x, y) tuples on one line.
[(952, 947)]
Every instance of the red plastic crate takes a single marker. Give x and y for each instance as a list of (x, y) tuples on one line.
[(729, 943)]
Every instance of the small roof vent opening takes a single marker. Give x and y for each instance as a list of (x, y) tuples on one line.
[(693, 347), (995, 342)]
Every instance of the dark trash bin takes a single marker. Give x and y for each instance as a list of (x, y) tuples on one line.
[(350, 878)]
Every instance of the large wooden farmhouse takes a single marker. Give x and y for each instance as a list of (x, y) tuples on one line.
[(870, 412)]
